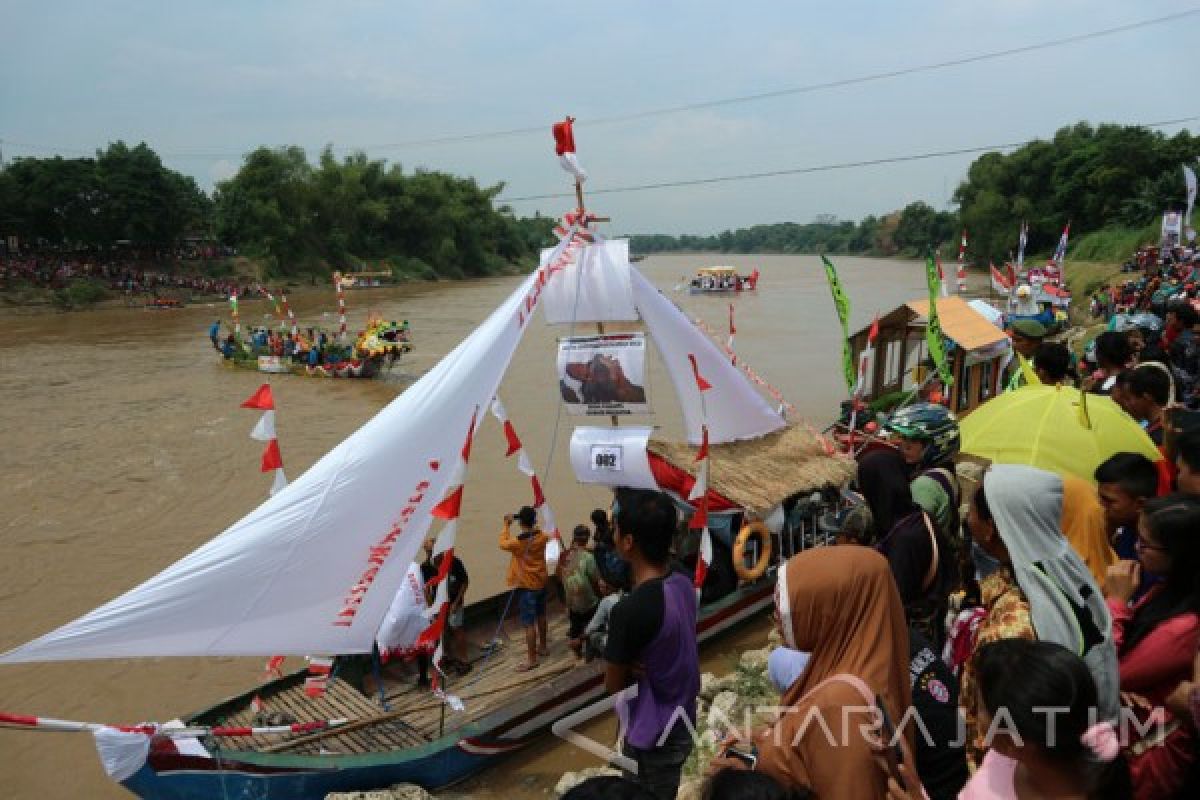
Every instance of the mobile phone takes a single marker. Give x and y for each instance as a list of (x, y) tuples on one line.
[(749, 759), (894, 753)]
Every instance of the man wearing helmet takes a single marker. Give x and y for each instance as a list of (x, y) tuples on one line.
[(926, 434)]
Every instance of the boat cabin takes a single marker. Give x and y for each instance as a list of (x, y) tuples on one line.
[(976, 348)]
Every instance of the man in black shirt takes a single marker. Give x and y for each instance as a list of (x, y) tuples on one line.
[(652, 642)]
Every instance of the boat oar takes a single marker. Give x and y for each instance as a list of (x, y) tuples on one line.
[(49, 724)]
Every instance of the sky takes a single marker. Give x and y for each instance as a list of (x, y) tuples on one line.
[(205, 83)]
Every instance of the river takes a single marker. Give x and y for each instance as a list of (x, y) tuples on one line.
[(124, 449)]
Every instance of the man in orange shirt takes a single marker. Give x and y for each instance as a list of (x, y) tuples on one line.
[(527, 575)]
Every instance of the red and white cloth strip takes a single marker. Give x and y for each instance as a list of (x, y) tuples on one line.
[(288, 310), (754, 377), (555, 546), (272, 669), (699, 494), (564, 148), (582, 219), (941, 273), (732, 333), (448, 510), (341, 298), (154, 729), (233, 312), (264, 431), (271, 299), (962, 265)]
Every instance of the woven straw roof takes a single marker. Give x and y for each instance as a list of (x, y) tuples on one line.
[(760, 473)]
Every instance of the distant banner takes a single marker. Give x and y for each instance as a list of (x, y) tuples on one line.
[(603, 375)]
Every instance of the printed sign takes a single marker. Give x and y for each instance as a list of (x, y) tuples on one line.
[(603, 375)]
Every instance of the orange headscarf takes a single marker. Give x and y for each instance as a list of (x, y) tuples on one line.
[(841, 605), (1083, 525)]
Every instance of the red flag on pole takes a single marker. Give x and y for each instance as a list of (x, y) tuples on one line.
[(701, 384), (271, 459)]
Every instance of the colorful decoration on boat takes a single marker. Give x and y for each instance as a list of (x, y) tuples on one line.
[(755, 378), (934, 339), (341, 298), (233, 312), (294, 330), (842, 303), (540, 504)]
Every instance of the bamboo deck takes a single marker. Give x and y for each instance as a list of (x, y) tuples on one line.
[(413, 716)]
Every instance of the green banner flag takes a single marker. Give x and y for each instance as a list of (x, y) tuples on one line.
[(842, 303), (933, 331)]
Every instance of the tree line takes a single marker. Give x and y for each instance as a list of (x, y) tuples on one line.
[(293, 216), (1102, 179)]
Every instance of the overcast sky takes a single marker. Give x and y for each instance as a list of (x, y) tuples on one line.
[(203, 83)]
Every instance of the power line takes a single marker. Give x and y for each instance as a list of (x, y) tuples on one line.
[(703, 104), (641, 187)]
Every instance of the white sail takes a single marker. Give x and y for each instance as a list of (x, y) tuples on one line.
[(735, 408), (593, 288), (282, 579)]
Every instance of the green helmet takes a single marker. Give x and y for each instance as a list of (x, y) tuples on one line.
[(931, 423)]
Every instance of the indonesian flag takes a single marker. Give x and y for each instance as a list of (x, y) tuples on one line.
[(865, 356), (699, 493), (317, 680), (564, 148)]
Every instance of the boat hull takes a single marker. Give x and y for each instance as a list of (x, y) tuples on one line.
[(435, 765)]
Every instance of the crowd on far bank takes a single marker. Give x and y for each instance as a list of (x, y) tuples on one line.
[(122, 275)]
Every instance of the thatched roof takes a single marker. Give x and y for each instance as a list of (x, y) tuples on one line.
[(760, 473)]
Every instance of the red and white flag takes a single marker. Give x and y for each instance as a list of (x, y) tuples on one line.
[(564, 148), (864, 357), (941, 273), (341, 298), (1000, 281), (317, 680)]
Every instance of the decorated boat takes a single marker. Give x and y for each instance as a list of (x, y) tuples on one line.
[(326, 567), (164, 304), (720, 280)]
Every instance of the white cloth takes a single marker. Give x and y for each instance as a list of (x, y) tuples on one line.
[(1026, 504), (785, 665), (405, 618), (121, 753), (595, 287)]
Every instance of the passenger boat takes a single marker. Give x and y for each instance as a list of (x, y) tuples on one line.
[(319, 567), (375, 351), (720, 280)]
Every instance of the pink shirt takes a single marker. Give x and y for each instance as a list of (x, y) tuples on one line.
[(994, 780)]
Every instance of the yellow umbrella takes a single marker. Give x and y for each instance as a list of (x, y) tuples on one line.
[(1055, 428)]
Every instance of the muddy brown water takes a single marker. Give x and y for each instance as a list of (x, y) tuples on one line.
[(124, 449)]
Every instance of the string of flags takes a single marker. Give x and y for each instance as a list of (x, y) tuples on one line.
[(288, 311), (698, 496), (264, 431), (341, 298), (754, 377), (540, 504), (962, 265), (732, 333), (448, 510)]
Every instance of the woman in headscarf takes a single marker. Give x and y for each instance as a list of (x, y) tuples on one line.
[(908, 538), (1042, 590), (840, 604)]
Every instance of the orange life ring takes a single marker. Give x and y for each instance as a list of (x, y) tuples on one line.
[(752, 530)]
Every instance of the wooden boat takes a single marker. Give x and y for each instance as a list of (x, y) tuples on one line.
[(317, 567), (722, 280)]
